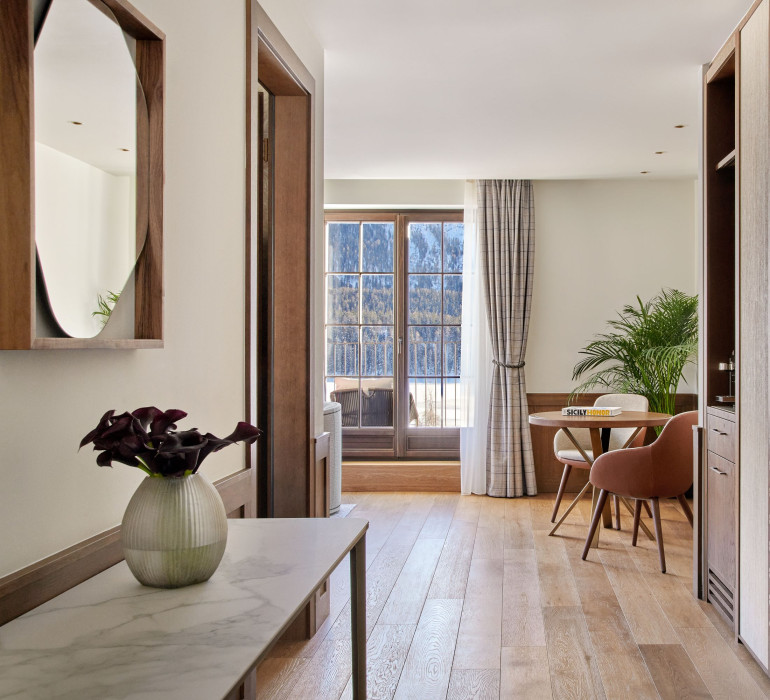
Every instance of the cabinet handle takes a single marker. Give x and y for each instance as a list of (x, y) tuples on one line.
[(714, 469), (718, 432)]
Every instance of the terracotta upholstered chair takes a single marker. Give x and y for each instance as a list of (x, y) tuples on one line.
[(660, 470), (566, 453)]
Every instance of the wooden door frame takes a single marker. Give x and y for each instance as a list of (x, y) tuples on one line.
[(279, 296), (287, 357)]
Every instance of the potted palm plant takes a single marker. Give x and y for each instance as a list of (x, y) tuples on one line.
[(645, 351)]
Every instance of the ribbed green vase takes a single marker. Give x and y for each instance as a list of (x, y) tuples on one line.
[(174, 531)]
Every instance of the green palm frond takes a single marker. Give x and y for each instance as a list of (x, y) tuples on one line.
[(645, 351)]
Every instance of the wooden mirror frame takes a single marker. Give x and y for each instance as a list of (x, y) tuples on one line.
[(19, 287)]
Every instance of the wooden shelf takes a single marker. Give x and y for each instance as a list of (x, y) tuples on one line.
[(727, 162), (96, 343)]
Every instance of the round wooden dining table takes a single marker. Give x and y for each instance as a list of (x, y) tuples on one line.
[(595, 425)]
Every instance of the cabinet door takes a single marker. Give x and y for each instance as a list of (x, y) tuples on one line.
[(754, 163), (721, 521)]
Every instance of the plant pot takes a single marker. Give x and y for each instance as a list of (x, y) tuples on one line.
[(174, 531)]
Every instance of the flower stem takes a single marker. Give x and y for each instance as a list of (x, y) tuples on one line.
[(143, 466)]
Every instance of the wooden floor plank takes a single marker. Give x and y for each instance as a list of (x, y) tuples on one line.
[(522, 617), (451, 575), (557, 587), (276, 677), (676, 601), (405, 602), (386, 652), (571, 657), (478, 639), (385, 570), (468, 508), (474, 685), (491, 530), (440, 517), (524, 673), (621, 665), (429, 662), (325, 675), (741, 653), (647, 621), (674, 675), (380, 579), (515, 613), (540, 513), (723, 674), (518, 525)]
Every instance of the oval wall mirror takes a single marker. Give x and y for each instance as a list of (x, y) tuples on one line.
[(89, 107)]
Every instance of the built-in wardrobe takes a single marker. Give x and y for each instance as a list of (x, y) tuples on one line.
[(733, 567)]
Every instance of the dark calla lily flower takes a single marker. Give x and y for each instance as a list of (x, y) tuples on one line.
[(147, 438)]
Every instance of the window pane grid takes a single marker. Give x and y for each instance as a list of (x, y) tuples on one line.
[(434, 382), (359, 316)]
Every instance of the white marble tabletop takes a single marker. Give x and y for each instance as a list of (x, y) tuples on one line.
[(110, 637)]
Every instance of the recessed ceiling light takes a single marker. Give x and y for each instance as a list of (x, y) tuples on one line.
[(644, 172), (77, 123), (680, 126)]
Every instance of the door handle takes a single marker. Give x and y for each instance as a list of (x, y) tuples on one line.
[(714, 469), (400, 344), (718, 432)]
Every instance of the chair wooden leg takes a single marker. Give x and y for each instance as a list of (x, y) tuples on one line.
[(560, 492), (658, 533), (595, 520), (647, 509), (637, 516), (616, 501), (685, 507)]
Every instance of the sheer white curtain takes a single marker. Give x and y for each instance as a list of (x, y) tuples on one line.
[(476, 359)]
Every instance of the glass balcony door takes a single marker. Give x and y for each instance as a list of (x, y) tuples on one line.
[(393, 286)]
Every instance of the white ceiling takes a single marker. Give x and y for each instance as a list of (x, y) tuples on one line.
[(515, 88)]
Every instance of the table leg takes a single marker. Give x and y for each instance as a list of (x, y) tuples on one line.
[(596, 447), (358, 616)]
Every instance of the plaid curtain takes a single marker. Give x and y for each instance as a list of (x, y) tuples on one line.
[(506, 230)]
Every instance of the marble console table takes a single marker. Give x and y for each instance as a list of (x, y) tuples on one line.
[(111, 637)]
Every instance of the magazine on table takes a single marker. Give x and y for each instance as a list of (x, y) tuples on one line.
[(591, 411)]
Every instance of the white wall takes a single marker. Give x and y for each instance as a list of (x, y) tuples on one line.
[(388, 194), (598, 243), (51, 496)]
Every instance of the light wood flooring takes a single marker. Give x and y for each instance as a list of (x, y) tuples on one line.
[(468, 597)]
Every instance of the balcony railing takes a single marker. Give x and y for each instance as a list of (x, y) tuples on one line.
[(436, 395)]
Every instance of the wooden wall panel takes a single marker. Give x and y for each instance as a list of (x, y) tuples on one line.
[(406, 475), (753, 387), (401, 476)]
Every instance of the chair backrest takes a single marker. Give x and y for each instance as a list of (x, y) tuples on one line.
[(659, 470), (628, 402), (672, 455)]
